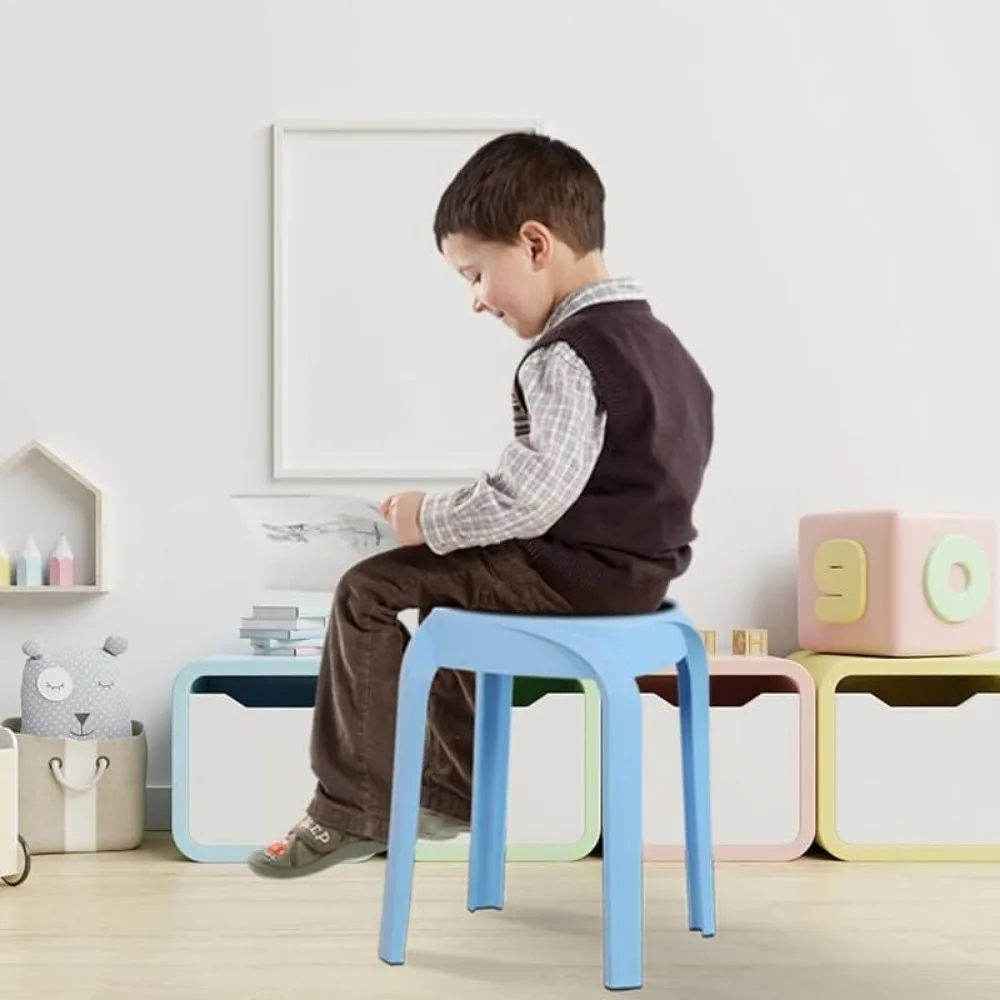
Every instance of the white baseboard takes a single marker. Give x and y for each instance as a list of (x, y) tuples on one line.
[(158, 807)]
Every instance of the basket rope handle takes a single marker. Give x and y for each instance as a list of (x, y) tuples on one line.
[(56, 767)]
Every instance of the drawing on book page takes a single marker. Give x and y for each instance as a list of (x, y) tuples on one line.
[(307, 542)]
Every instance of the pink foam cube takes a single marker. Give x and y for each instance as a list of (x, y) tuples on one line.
[(895, 583)]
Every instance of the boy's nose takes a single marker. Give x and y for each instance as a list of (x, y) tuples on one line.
[(477, 306)]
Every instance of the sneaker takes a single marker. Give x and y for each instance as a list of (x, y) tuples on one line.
[(311, 847), (437, 826)]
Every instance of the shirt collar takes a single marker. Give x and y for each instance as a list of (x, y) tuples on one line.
[(597, 292)]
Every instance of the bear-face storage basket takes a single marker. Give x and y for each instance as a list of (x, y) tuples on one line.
[(81, 796)]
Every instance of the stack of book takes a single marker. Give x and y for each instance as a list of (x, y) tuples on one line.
[(284, 630)]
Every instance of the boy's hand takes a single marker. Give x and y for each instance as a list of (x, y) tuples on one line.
[(402, 511)]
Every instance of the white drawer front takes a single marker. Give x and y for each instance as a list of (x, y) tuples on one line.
[(250, 778), (917, 775), (546, 791), (756, 777)]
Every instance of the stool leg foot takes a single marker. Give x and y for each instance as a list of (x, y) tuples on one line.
[(411, 720), (693, 691), (621, 758), (491, 766)]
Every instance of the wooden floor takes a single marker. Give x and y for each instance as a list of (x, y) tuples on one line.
[(148, 925)]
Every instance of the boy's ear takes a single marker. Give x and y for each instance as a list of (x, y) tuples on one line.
[(539, 242)]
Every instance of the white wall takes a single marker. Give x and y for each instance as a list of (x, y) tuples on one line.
[(808, 191)]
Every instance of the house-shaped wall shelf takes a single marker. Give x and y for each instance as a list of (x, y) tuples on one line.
[(43, 497)]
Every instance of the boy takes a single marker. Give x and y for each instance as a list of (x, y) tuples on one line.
[(589, 510)]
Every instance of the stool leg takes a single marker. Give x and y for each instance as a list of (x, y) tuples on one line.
[(621, 797), (491, 768), (411, 724), (693, 696)]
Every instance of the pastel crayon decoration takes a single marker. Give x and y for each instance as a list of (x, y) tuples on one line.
[(61, 564), (5, 579), (29, 565)]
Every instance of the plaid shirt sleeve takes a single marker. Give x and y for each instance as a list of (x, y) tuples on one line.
[(539, 475)]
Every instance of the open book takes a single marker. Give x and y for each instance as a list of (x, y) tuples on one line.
[(307, 542)]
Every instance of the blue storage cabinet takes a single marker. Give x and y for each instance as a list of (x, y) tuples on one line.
[(240, 753), (241, 775)]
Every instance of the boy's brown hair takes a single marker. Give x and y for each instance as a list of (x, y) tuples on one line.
[(520, 176)]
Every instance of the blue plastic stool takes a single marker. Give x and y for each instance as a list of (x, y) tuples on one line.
[(611, 651)]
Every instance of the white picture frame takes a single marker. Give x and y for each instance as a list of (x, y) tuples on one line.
[(296, 456)]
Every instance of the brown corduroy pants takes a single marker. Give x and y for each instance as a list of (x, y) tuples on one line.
[(354, 721)]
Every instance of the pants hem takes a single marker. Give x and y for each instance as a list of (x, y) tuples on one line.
[(356, 823)]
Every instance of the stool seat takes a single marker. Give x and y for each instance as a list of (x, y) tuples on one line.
[(611, 651)]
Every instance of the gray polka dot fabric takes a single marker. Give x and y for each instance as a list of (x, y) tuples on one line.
[(75, 692)]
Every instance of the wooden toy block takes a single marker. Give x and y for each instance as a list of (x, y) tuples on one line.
[(708, 639), (894, 583), (906, 757), (750, 642), (763, 761)]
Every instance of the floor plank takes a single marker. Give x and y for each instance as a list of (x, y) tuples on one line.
[(147, 924)]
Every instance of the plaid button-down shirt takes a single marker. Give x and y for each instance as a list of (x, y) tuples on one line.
[(543, 471)]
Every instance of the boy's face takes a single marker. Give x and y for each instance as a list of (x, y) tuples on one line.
[(513, 282)]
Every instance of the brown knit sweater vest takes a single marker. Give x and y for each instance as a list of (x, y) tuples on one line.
[(618, 547)]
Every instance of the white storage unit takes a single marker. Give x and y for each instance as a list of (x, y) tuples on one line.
[(241, 773), (906, 756), (240, 754), (763, 765), (553, 800)]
